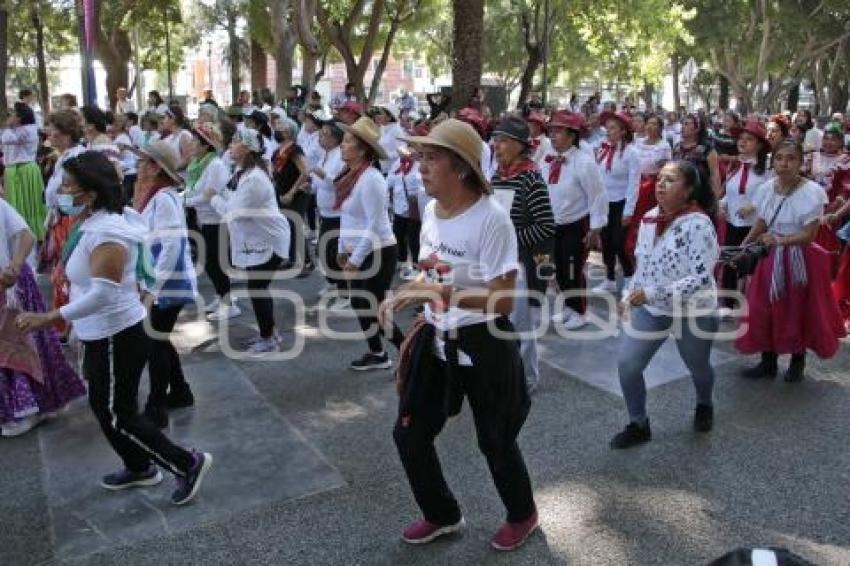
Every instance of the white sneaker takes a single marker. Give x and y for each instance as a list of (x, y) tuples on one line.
[(22, 426), (213, 306), (264, 346), (563, 316), (409, 273), (340, 304), (575, 321), (225, 312), (607, 286)]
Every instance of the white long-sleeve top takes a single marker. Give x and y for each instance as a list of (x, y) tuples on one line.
[(389, 142), (676, 271), (57, 177), (126, 158), (403, 187), (332, 165), (738, 193), (488, 164), (20, 145), (257, 227), (652, 156), (544, 146), (579, 191), (624, 175), (364, 222), (215, 176)]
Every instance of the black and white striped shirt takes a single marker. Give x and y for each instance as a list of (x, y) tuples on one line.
[(530, 209)]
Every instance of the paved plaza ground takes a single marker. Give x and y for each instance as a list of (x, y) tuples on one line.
[(306, 471)]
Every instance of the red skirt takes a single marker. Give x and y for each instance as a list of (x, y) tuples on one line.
[(841, 286), (806, 317), (645, 202), (827, 239)]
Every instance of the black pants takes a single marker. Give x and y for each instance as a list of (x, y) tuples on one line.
[(406, 232), (729, 281), (212, 239), (113, 367), (258, 290), (570, 257), (328, 251), (312, 212), (495, 390), (614, 242), (164, 366), (375, 286), (297, 238)]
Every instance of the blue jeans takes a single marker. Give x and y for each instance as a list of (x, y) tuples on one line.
[(637, 351)]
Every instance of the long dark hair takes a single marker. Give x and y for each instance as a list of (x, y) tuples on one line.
[(701, 192), (95, 173), (95, 116), (24, 113)]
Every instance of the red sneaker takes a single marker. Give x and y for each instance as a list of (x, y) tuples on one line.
[(423, 532), (511, 536)]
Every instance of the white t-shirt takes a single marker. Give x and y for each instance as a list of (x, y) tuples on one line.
[(124, 308), (215, 176), (20, 145), (802, 207), (11, 223), (126, 157), (466, 251), (332, 165), (364, 222)]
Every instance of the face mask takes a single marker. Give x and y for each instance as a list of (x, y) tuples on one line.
[(66, 205)]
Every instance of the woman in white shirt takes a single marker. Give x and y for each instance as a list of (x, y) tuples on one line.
[(172, 283), (367, 246), (465, 344), (174, 130), (405, 185), (620, 168), (673, 290), (22, 178), (206, 170), (580, 207), (259, 234), (387, 119), (323, 177), (117, 130), (108, 318), (790, 306)]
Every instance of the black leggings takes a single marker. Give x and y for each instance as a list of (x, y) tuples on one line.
[(113, 379), (406, 232), (328, 251), (297, 238), (729, 280), (164, 366), (212, 239), (375, 286), (614, 242), (258, 290), (570, 257)]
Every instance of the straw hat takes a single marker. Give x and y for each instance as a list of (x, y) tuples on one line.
[(210, 133), (163, 155), (459, 138), (367, 131)]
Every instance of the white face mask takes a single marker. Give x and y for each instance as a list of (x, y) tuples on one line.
[(65, 203)]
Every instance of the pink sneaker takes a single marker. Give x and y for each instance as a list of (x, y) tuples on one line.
[(423, 532), (511, 536)]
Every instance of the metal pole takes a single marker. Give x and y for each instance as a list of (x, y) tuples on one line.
[(545, 95), (168, 55)]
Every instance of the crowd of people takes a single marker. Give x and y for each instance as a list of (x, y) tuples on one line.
[(477, 220)]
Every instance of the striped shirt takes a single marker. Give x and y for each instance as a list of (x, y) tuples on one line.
[(531, 211)]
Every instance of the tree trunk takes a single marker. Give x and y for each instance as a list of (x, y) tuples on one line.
[(112, 49), (382, 63), (38, 26), (467, 38), (4, 57), (674, 70), (233, 48), (838, 96), (723, 100), (794, 97), (526, 82), (259, 70), (648, 97)]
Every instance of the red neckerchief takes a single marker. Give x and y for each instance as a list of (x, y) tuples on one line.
[(405, 165), (664, 220), (344, 183), (555, 162), (606, 153), (147, 194), (282, 156), (515, 169), (745, 175)]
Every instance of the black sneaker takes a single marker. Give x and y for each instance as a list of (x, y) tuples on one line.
[(157, 416), (371, 361), (703, 418), (180, 398), (766, 368), (126, 479), (796, 369), (633, 435), (188, 485)]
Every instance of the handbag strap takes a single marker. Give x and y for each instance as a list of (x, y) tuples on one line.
[(778, 208)]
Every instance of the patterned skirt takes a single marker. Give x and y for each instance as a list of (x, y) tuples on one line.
[(20, 394), (25, 192)]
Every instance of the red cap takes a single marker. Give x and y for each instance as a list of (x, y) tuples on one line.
[(352, 106), (564, 119), (755, 128), (474, 118), (536, 118), (621, 117)]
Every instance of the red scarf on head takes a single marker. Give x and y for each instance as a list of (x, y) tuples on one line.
[(606, 153), (664, 220), (515, 169), (344, 184), (555, 163), (282, 157), (143, 195), (405, 166)]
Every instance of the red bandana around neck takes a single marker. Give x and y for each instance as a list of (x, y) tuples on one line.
[(344, 184), (147, 194), (515, 169), (555, 163), (663, 221), (606, 153), (282, 157), (405, 165)]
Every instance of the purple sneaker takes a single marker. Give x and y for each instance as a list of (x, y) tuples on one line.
[(422, 532), (188, 485)]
